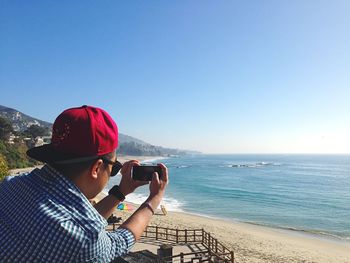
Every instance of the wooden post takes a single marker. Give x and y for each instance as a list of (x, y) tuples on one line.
[(202, 235), (181, 257), (156, 232), (177, 235), (232, 257), (209, 239), (165, 251), (216, 245), (166, 233), (185, 235)]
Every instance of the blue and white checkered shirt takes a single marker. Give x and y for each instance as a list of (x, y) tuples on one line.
[(44, 217)]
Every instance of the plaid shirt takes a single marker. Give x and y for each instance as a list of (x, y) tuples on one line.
[(45, 218)]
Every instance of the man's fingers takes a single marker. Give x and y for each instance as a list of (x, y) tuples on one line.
[(164, 172), (155, 177), (128, 166)]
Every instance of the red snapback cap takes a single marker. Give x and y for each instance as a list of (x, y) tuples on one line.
[(78, 134)]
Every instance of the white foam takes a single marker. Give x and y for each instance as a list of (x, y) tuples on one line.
[(182, 166), (155, 160), (251, 165), (171, 204), (136, 198)]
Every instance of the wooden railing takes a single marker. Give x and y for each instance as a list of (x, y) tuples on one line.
[(216, 248), (176, 235), (203, 256), (215, 251), (192, 257)]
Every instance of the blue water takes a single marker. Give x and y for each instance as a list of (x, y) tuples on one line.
[(309, 193)]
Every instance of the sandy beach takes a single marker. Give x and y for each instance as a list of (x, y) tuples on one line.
[(254, 244)]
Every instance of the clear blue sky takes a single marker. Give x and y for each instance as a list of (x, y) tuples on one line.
[(214, 76)]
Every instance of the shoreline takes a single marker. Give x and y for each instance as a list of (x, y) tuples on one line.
[(299, 232), (290, 231), (255, 243)]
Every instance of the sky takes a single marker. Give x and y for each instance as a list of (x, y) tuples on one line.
[(213, 76)]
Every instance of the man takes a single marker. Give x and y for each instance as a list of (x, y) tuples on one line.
[(46, 216)]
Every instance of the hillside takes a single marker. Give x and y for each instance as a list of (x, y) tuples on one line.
[(128, 145), (20, 121)]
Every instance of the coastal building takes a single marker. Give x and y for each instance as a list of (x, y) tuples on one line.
[(12, 138), (38, 141)]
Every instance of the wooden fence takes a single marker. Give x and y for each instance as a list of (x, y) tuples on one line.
[(215, 251), (195, 257), (178, 236)]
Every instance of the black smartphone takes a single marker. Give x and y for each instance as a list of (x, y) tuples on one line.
[(144, 172)]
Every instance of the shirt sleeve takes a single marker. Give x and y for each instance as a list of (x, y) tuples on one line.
[(108, 246), (124, 237)]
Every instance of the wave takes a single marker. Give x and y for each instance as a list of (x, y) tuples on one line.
[(171, 204), (178, 166), (181, 166), (154, 161), (251, 165)]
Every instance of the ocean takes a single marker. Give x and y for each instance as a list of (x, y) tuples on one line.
[(306, 193)]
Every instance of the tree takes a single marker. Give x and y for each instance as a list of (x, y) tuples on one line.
[(4, 170), (36, 130), (5, 129)]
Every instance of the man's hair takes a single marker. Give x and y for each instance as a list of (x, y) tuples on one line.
[(75, 169)]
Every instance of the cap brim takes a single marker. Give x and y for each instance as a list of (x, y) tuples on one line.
[(47, 154)]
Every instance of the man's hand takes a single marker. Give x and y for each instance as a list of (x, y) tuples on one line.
[(127, 184)]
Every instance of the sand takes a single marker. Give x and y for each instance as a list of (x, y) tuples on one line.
[(254, 244)]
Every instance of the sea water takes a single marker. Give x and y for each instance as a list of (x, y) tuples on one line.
[(308, 193)]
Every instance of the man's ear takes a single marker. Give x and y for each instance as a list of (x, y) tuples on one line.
[(96, 168)]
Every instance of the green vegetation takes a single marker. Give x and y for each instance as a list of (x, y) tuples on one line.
[(13, 154), (35, 131), (5, 128), (4, 170)]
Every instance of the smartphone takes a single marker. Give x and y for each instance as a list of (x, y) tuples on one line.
[(144, 172)]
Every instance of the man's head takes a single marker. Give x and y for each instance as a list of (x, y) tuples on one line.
[(79, 134), (83, 145)]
